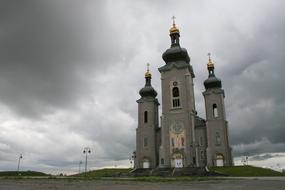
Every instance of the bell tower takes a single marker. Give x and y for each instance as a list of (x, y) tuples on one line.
[(146, 138), (178, 106), (218, 149)]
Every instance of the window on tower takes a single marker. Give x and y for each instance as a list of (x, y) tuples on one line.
[(215, 110), (145, 117), (175, 97), (175, 92)]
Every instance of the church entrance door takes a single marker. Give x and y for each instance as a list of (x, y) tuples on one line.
[(220, 160), (146, 164), (178, 163)]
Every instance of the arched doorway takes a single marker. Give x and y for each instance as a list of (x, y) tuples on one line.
[(220, 160), (177, 160), (146, 163)]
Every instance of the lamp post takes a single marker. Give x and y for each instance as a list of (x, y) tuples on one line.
[(80, 162), (86, 151), (18, 169), (132, 159)]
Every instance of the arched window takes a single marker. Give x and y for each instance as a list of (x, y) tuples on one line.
[(175, 92), (175, 97), (145, 117), (215, 110)]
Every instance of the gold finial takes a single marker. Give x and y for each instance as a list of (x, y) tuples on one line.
[(147, 74), (210, 63), (173, 29)]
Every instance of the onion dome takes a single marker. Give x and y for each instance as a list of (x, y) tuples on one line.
[(212, 81), (148, 90), (173, 29), (175, 52)]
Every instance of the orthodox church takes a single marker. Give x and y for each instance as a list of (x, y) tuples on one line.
[(183, 139)]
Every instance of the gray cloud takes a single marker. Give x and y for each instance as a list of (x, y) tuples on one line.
[(264, 157)]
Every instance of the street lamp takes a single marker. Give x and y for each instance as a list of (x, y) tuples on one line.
[(86, 151), (20, 157), (132, 159)]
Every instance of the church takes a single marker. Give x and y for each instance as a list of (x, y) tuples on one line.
[(181, 138)]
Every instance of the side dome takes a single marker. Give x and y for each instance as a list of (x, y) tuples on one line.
[(148, 91), (213, 82)]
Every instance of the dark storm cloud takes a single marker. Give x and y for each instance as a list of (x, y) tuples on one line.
[(47, 50), (249, 48)]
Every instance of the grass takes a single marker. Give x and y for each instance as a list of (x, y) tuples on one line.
[(21, 173), (107, 172), (245, 171)]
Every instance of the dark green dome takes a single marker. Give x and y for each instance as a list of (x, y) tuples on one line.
[(213, 82), (176, 53), (148, 91)]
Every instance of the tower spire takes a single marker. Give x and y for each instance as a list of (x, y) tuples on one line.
[(174, 33), (147, 74), (212, 81), (210, 66), (147, 90)]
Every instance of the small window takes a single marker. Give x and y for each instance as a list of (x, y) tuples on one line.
[(145, 117), (218, 138), (162, 161), (145, 142), (215, 110)]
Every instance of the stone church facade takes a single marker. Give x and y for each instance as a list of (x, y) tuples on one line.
[(183, 139)]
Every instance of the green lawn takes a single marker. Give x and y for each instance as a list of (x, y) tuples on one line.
[(240, 171), (21, 173), (107, 172)]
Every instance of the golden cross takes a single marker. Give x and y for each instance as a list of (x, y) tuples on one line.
[(147, 67), (173, 18), (209, 54)]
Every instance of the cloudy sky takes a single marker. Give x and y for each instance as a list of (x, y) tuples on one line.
[(70, 72)]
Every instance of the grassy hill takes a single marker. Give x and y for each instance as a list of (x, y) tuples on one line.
[(22, 173), (245, 171), (107, 172)]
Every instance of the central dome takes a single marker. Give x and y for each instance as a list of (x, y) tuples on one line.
[(176, 53)]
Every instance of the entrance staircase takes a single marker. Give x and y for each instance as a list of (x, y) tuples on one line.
[(169, 172)]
